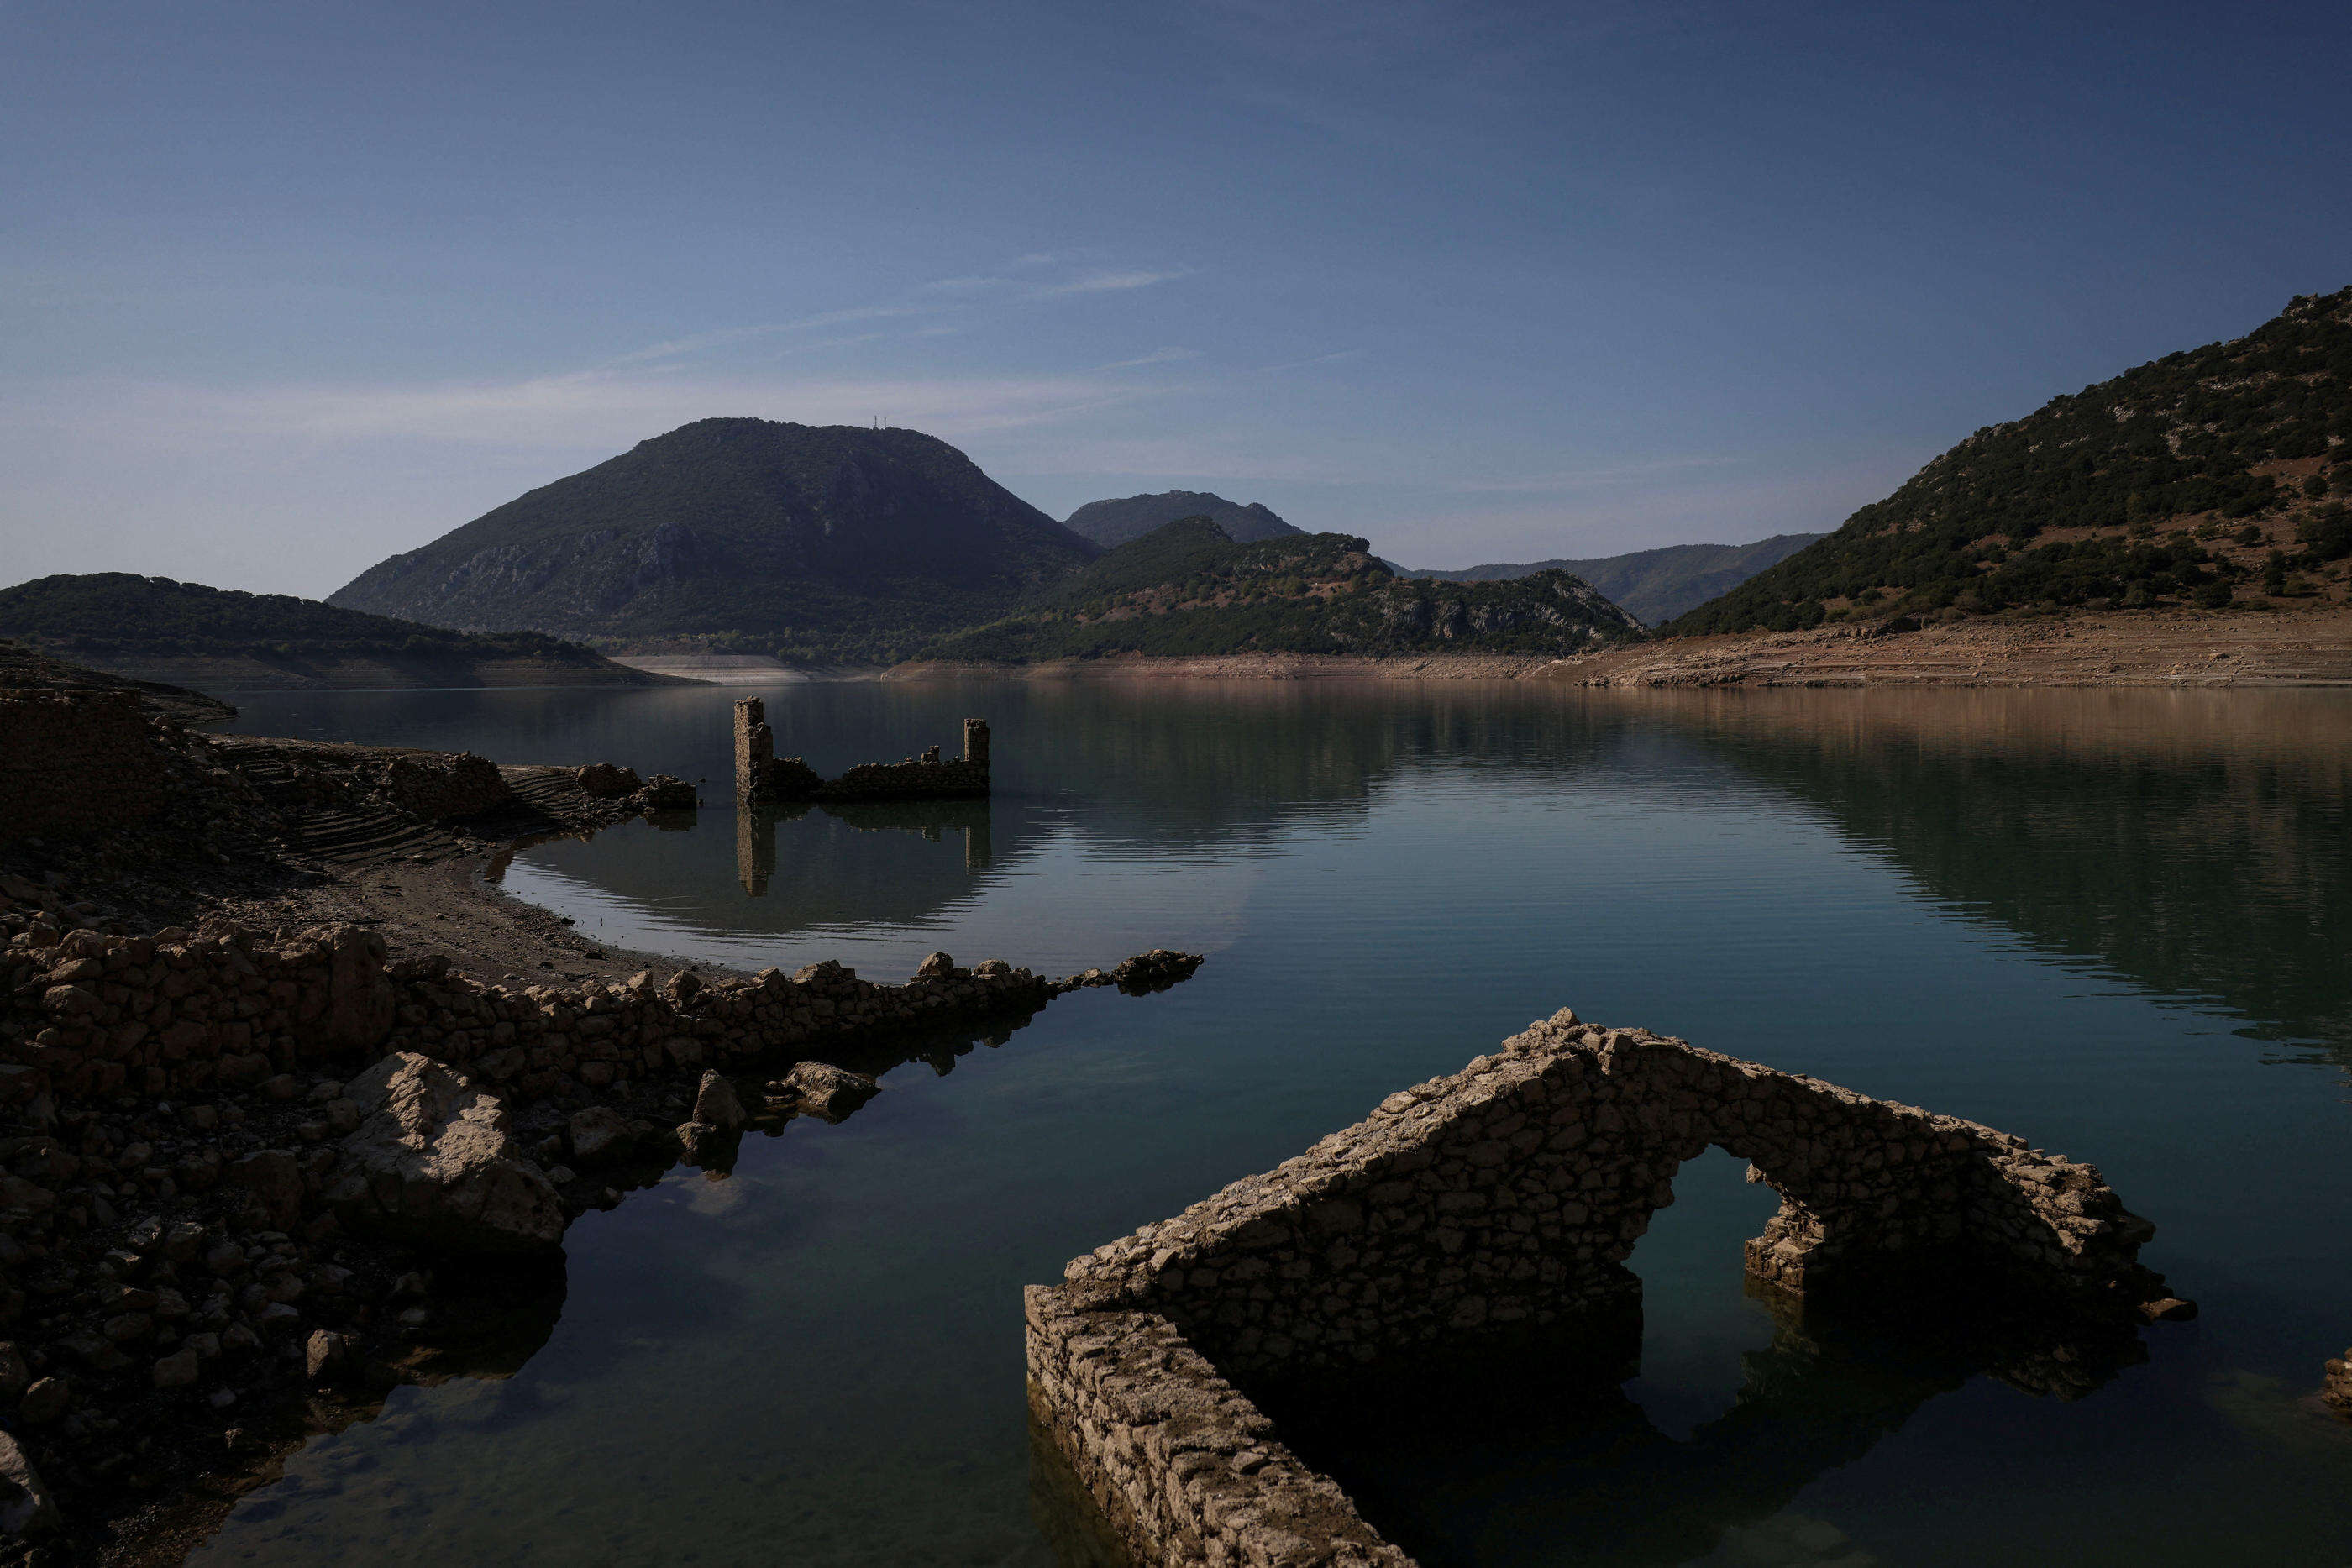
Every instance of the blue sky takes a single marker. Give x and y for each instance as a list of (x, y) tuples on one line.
[(285, 289)]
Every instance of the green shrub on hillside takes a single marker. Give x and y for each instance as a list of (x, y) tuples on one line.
[(1187, 590), (115, 613), (2145, 455)]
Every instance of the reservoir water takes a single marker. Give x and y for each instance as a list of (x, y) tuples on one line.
[(2118, 924)]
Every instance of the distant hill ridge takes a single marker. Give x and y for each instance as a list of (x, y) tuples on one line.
[(1187, 589), (22, 669), (1654, 585), (833, 544), (157, 629), (1129, 518), (2213, 476)]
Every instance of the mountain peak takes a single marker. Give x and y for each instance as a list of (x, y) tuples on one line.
[(1116, 522), (834, 542)]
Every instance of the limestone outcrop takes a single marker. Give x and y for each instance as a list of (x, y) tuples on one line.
[(435, 1165)]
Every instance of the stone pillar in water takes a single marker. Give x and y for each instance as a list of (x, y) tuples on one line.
[(975, 741), (755, 746)]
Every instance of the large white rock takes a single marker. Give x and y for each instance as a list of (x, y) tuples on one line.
[(435, 1165), (715, 1103), (24, 1505)]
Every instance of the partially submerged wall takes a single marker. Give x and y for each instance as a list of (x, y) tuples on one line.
[(178, 1014), (76, 762), (762, 776), (1506, 1197), (1179, 1465)]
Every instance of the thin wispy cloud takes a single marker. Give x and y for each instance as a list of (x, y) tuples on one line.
[(937, 296), (587, 410), (1109, 282), (727, 337), (1311, 360), (1157, 357), (961, 285)]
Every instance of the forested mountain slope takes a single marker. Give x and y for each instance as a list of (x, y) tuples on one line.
[(1187, 589), (2213, 476), (1656, 585), (152, 628)]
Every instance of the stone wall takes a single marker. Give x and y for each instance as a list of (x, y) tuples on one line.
[(762, 776), (177, 1014), (916, 778), (1505, 1198), (439, 785), (1514, 1190), (1180, 1465), (76, 762)]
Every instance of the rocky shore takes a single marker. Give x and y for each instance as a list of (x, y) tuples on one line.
[(260, 1172)]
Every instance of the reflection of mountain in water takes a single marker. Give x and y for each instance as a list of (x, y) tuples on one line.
[(1178, 769), (2198, 843)]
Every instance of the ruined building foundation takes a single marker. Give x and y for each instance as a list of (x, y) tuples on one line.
[(762, 776), (75, 762), (1502, 1199)]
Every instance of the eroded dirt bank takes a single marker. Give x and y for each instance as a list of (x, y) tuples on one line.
[(296, 1109), (2298, 647), (1246, 667), (2115, 648)]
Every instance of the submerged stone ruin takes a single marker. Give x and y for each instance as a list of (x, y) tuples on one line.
[(1499, 1204), (762, 777)]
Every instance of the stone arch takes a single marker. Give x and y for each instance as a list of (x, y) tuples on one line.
[(1510, 1195), (1513, 1191)]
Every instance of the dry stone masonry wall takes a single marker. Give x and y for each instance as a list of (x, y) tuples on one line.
[(1181, 1467), (1505, 1197), (73, 762), (90, 1016)]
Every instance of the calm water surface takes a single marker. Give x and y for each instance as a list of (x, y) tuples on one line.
[(2118, 924)]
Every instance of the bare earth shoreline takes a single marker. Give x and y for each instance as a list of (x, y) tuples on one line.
[(2120, 648)]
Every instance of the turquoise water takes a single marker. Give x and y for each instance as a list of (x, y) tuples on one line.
[(2117, 923)]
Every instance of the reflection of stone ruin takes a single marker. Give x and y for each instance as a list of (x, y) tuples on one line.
[(755, 829), (760, 776), (1501, 1202)]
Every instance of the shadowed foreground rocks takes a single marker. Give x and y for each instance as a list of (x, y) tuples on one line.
[(230, 1143), (254, 1173)]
